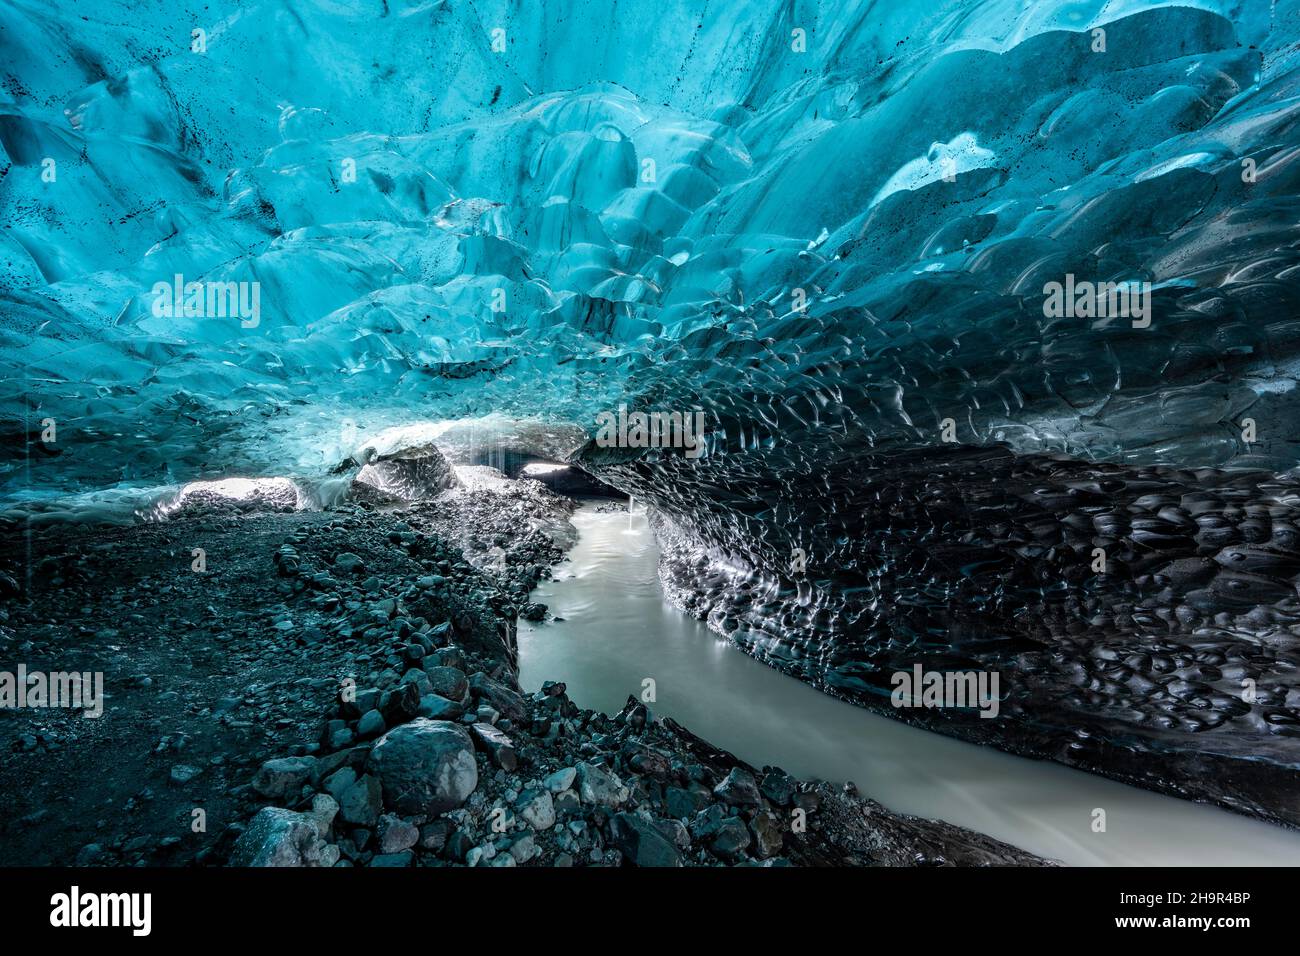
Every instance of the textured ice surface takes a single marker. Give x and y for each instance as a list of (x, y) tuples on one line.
[(646, 185), (831, 226)]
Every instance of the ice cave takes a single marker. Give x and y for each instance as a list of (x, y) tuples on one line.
[(572, 433)]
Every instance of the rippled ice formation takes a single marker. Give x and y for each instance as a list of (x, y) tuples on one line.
[(830, 226)]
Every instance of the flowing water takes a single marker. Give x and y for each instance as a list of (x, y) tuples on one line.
[(618, 630)]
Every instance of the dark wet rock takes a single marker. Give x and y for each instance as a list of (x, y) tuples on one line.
[(730, 838), (501, 698), (448, 682), (433, 836), (425, 767), (400, 705), (685, 803), (738, 789), (370, 725), (182, 773), (436, 707), (324, 809), (778, 786), (641, 842), (361, 802), (349, 563), (769, 834), (283, 777), (522, 849), (808, 801)]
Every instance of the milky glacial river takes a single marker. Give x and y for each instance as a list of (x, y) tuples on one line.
[(618, 630)]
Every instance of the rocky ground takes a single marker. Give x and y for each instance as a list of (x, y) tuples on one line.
[(339, 688)]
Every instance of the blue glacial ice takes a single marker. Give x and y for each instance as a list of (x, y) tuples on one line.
[(621, 205)]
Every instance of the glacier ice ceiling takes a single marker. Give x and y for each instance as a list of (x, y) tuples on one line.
[(833, 227)]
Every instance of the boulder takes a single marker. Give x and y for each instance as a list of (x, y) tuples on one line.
[(561, 780), (739, 789), (600, 786), (536, 808), (396, 835), (425, 767), (283, 777), (778, 786), (361, 803), (448, 682), (769, 835), (684, 804), (279, 837), (349, 563), (641, 842), (436, 707)]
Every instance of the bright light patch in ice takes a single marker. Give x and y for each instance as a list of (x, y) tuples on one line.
[(944, 161), (394, 439), (481, 478), (237, 489), (541, 468)]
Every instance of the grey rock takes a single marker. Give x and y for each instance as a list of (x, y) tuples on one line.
[(496, 744), (522, 850), (433, 836), (536, 808), (426, 767), (184, 773), (731, 839), (769, 835), (501, 698), (684, 804), (600, 786), (279, 837), (349, 562), (567, 803), (337, 783), (324, 809), (561, 780), (395, 834)]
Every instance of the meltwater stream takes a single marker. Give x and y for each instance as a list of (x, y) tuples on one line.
[(618, 630)]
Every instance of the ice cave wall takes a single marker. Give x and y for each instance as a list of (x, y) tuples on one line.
[(831, 226)]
